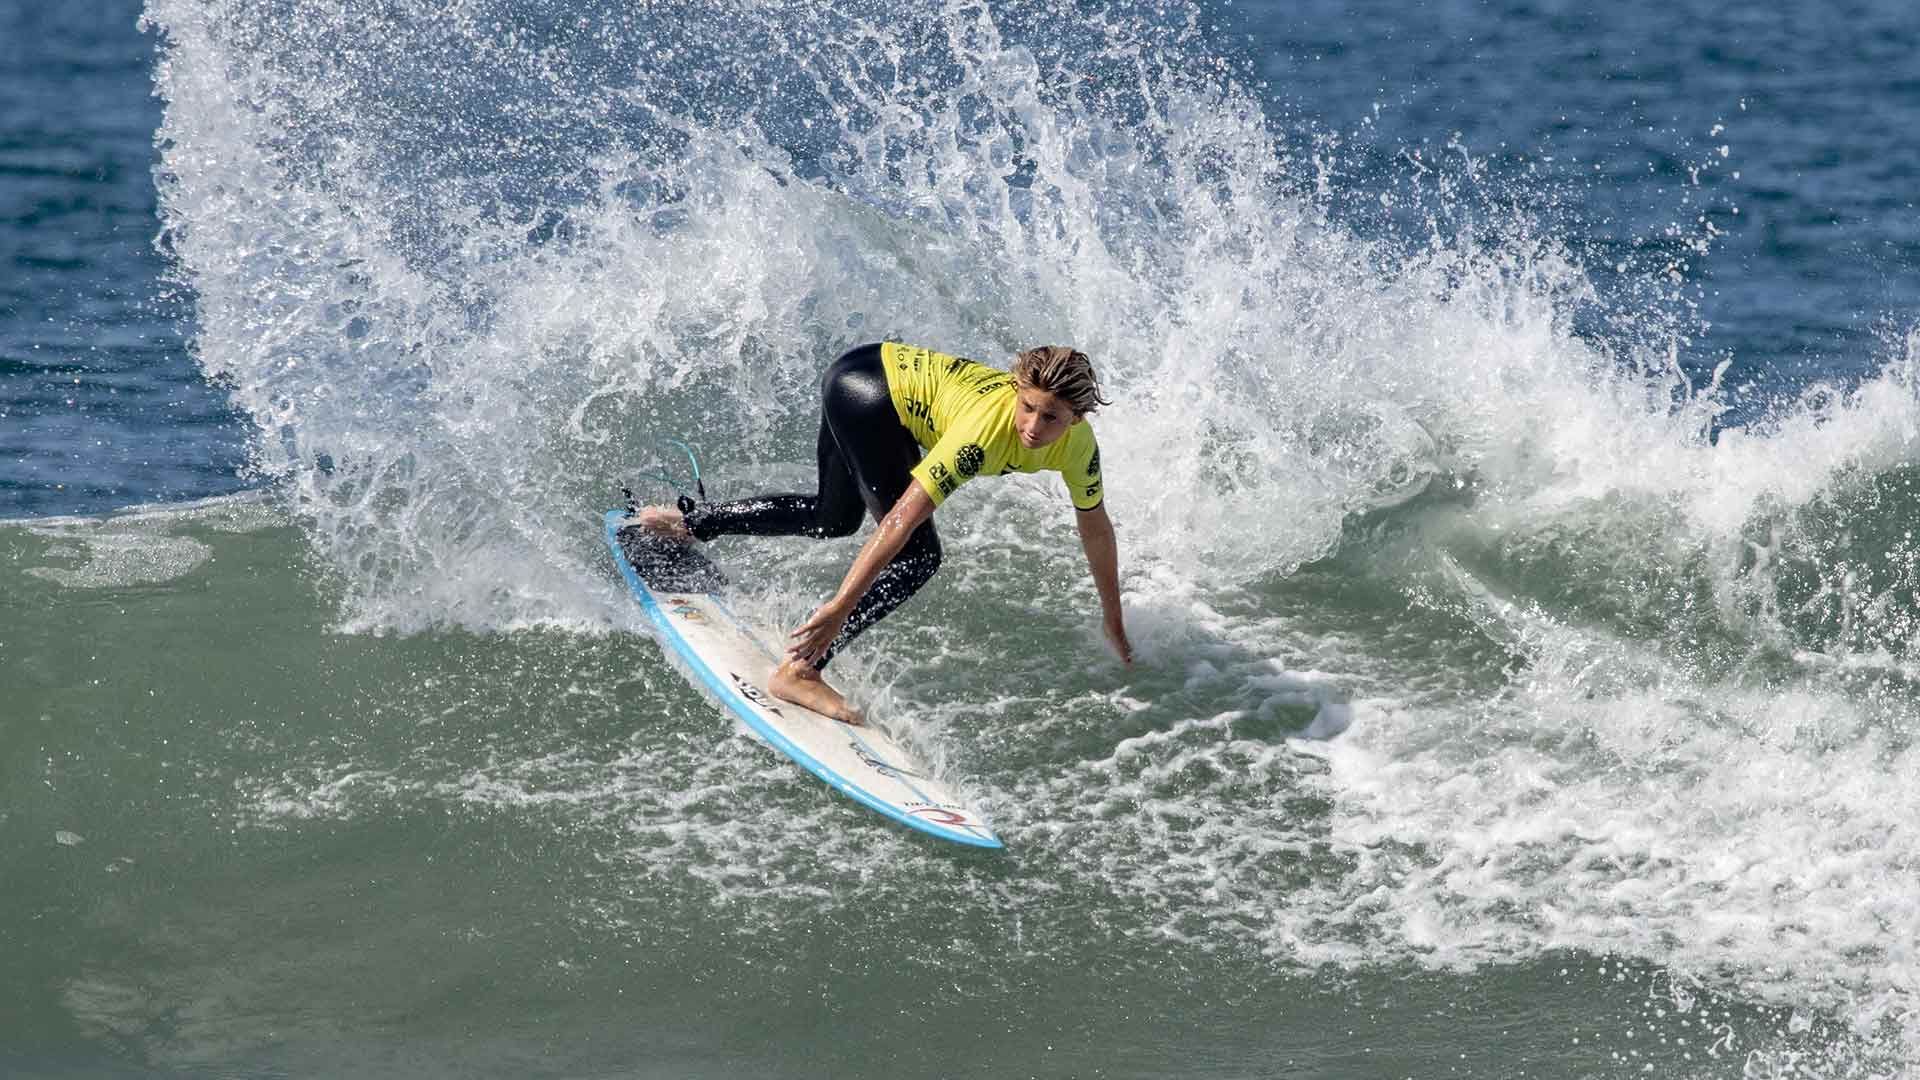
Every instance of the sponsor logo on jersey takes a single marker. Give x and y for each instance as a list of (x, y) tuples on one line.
[(970, 458), (1093, 463)]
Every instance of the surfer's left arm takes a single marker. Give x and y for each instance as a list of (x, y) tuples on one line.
[(1103, 558), (913, 507)]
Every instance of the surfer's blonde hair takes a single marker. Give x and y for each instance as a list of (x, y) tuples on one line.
[(1062, 371)]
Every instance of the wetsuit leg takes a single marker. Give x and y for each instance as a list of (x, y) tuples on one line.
[(866, 458), (833, 510)]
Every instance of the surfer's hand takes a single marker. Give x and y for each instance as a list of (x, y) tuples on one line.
[(1117, 637), (811, 641)]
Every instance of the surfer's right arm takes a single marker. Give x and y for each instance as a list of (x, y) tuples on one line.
[(914, 506), (1103, 558)]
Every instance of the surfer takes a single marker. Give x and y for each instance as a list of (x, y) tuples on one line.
[(882, 406)]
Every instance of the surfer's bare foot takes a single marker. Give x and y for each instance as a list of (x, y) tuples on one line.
[(666, 522), (800, 682)]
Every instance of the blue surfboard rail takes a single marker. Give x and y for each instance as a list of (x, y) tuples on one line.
[(729, 696)]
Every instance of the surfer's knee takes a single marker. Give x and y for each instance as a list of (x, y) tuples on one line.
[(844, 522), (922, 557)]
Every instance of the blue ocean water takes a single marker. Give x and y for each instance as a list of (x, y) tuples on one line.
[(1771, 134), (104, 406), (1523, 394)]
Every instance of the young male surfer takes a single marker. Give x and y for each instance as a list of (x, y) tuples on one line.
[(882, 406)]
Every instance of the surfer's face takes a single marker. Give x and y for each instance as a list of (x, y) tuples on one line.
[(1040, 418)]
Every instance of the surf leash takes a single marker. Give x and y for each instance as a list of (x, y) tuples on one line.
[(684, 501)]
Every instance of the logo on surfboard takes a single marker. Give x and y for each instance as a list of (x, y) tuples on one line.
[(883, 768), (943, 815), (754, 694)]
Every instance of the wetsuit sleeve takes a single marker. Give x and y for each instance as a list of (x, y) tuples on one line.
[(1081, 471), (957, 458)]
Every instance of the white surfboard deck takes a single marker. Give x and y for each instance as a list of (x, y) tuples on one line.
[(732, 661)]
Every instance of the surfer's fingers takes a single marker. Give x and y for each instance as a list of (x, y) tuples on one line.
[(808, 642)]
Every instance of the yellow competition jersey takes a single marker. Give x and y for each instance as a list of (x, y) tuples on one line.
[(961, 414)]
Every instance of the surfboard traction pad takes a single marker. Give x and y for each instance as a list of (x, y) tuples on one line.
[(667, 565)]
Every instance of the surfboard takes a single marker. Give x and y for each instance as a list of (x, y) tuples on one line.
[(681, 591)]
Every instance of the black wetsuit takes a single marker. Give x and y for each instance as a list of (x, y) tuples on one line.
[(866, 459)]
